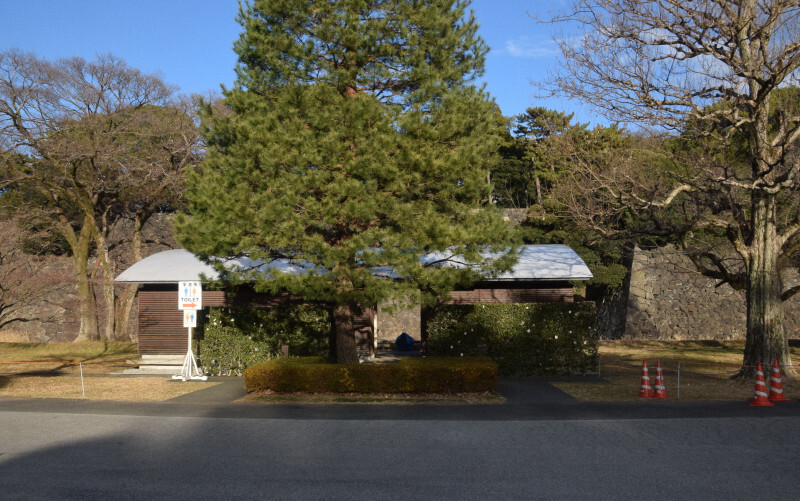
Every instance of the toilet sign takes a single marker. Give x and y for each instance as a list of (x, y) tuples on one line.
[(190, 318), (190, 295), (190, 300)]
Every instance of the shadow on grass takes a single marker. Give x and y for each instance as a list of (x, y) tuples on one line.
[(7, 380), (65, 356)]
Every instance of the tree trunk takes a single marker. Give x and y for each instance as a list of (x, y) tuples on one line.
[(109, 297), (343, 315), (107, 270), (766, 338), (80, 269), (489, 182), (128, 296), (125, 331)]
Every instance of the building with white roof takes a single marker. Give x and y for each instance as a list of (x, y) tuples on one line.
[(542, 273)]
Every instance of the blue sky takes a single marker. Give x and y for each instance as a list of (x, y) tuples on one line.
[(190, 41)]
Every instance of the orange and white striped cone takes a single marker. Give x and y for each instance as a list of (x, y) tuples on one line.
[(776, 386), (760, 398), (661, 391), (646, 391)]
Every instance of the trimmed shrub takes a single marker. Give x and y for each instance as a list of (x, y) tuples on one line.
[(524, 339), (232, 339), (410, 375)]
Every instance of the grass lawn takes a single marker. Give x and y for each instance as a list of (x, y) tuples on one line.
[(130, 389), (706, 368), (51, 370), (97, 357)]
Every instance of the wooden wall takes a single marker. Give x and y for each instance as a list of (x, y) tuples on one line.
[(487, 296), (161, 328), (365, 332)]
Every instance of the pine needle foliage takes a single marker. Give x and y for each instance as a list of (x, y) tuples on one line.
[(354, 139)]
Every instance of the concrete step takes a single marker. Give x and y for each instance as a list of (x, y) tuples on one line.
[(166, 370), (155, 364), (159, 360)]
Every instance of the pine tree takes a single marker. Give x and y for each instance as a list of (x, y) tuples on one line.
[(354, 139)]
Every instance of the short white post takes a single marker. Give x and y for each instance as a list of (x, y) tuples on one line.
[(83, 388)]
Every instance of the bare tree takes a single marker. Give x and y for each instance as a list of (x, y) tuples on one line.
[(99, 141), (711, 69), (26, 281)]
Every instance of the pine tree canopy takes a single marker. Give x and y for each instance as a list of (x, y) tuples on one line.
[(353, 138)]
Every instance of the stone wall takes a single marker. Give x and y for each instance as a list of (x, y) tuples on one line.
[(55, 316), (49, 317), (668, 299), (394, 320)]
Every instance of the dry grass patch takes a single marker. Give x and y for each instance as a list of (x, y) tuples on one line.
[(706, 368), (707, 352), (98, 357), (50, 370), (379, 398), (130, 389)]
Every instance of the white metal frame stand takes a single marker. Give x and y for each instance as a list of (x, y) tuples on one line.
[(190, 370)]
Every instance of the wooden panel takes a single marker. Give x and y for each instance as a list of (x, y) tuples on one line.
[(249, 298), (365, 334), (487, 296), (161, 329)]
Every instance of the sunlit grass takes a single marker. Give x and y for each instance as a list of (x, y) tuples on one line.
[(51, 370), (705, 371), (97, 357), (138, 389)]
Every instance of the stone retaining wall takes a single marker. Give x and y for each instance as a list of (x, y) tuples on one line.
[(668, 299), (394, 321)]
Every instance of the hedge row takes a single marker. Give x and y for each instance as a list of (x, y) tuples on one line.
[(229, 340), (524, 339), (410, 375)]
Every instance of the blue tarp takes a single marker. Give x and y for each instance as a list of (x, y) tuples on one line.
[(404, 342)]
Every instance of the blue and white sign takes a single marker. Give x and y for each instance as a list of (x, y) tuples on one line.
[(190, 318), (190, 295)]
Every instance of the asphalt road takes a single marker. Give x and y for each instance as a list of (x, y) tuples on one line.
[(553, 450)]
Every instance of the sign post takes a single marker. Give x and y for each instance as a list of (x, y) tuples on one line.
[(190, 301)]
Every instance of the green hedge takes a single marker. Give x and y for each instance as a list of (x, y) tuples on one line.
[(231, 340), (410, 375), (524, 339)]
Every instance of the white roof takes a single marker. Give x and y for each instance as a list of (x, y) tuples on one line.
[(172, 266), (547, 262), (534, 262)]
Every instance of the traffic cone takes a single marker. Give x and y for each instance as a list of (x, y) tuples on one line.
[(646, 391), (760, 398), (775, 385), (660, 392)]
